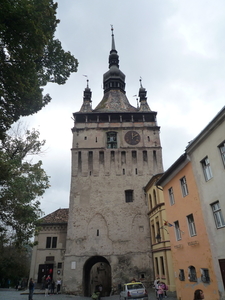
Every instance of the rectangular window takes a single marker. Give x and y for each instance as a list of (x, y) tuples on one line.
[(222, 152), (177, 230), (51, 242), (111, 140), (218, 216), (157, 265), (191, 225), (59, 265), (54, 242), (145, 156), (129, 196), (162, 265), (48, 242), (184, 187), (181, 275), (153, 234), (206, 169), (171, 196), (205, 275)]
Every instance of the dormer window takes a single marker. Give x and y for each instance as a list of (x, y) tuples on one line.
[(111, 140)]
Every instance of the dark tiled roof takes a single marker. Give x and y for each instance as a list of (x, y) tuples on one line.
[(114, 101), (58, 216)]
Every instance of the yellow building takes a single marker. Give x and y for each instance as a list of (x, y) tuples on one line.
[(160, 240), (192, 257)]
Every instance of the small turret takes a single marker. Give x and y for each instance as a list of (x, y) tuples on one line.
[(143, 99), (86, 106)]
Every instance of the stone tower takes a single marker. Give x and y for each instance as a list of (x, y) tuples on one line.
[(116, 149)]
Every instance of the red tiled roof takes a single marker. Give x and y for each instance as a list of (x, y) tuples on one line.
[(58, 216)]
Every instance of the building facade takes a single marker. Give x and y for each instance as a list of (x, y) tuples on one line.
[(194, 192), (207, 154), (48, 254), (116, 147), (160, 239)]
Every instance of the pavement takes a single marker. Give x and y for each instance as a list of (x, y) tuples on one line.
[(12, 294)]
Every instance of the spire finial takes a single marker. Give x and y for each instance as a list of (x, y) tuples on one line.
[(140, 82), (113, 41), (111, 28), (87, 80)]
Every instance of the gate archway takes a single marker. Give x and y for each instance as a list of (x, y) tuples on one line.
[(96, 271)]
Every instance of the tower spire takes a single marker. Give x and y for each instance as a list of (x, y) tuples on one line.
[(114, 98)]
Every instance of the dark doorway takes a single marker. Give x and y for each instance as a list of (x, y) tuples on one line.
[(97, 271), (44, 269), (222, 269)]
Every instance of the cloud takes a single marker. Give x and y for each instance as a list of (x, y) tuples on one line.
[(177, 47)]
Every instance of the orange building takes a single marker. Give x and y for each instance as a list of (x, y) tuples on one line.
[(192, 257)]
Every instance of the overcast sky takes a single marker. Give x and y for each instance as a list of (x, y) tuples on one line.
[(177, 47)]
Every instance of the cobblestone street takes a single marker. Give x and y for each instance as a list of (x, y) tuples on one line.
[(11, 294)]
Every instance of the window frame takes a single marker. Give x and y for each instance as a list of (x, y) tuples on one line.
[(181, 275), (218, 215), (129, 196), (205, 275), (206, 167), (192, 274), (51, 242), (177, 230), (48, 242), (171, 196), (111, 139), (191, 225), (184, 187), (222, 152)]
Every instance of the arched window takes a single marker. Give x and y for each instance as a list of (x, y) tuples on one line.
[(192, 274)]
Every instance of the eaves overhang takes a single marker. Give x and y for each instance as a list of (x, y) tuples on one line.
[(178, 165), (216, 121)]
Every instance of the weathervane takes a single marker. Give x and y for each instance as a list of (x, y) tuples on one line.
[(87, 80)]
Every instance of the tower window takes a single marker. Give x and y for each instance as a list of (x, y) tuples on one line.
[(129, 196), (111, 140), (145, 156), (101, 157)]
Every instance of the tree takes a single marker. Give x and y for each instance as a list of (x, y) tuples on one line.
[(30, 57), (22, 183)]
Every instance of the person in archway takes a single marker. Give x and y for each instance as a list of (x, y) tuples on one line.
[(199, 294), (100, 291)]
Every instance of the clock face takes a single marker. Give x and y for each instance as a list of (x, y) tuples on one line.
[(132, 137)]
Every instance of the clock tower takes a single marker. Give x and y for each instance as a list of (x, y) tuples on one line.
[(116, 149)]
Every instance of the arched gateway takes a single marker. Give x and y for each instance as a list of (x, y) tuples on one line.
[(96, 271)]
